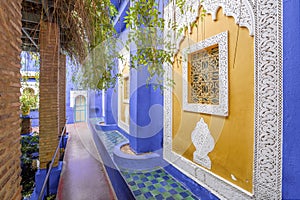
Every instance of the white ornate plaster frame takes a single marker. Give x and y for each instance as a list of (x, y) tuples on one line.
[(265, 18), (221, 40)]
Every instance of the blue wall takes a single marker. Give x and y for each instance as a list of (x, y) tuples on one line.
[(291, 99), (146, 109), (69, 87), (197, 189), (146, 113), (28, 63), (34, 115), (111, 106), (95, 102)]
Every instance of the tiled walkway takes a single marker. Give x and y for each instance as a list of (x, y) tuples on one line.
[(156, 184), (83, 176), (146, 184)]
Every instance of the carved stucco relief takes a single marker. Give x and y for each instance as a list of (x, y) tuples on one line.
[(241, 10), (203, 142), (222, 108), (264, 20)]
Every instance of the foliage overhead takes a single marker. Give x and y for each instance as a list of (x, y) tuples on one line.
[(86, 23), (91, 39)]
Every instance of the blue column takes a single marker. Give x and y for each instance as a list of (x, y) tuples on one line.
[(95, 104), (111, 106), (291, 99), (146, 114)]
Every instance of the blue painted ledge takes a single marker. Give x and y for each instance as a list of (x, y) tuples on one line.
[(40, 177), (135, 162), (106, 127)]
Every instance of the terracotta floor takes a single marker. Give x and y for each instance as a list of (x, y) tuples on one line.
[(83, 176)]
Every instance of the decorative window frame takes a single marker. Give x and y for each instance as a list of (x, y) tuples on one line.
[(267, 163), (221, 40)]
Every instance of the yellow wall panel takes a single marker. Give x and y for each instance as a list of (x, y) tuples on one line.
[(232, 157)]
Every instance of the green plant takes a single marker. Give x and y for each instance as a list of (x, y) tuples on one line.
[(93, 42), (29, 145), (51, 197), (28, 101)]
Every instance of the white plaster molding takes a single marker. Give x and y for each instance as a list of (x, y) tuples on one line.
[(222, 108), (241, 10), (267, 175), (75, 93), (203, 142), (126, 59), (32, 85)]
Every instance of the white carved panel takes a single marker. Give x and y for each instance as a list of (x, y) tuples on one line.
[(241, 10), (203, 142), (221, 109), (264, 20)]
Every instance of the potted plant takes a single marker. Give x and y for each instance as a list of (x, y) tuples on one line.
[(28, 101)]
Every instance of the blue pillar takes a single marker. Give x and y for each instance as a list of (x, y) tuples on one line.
[(111, 105), (95, 104), (291, 99), (146, 114)]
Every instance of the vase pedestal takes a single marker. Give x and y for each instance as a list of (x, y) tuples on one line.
[(26, 125)]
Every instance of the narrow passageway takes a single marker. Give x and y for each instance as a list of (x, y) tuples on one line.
[(83, 176)]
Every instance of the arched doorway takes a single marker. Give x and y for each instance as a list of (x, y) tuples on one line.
[(80, 109)]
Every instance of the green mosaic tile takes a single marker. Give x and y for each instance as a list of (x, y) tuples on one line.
[(166, 194), (138, 181), (177, 196), (151, 198), (144, 190), (178, 189), (168, 187), (157, 185), (189, 198), (155, 192), (146, 184), (134, 187)]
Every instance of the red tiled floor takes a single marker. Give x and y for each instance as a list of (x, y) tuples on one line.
[(83, 176)]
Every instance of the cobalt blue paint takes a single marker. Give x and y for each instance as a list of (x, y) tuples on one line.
[(291, 99), (110, 107), (135, 162), (34, 116), (144, 145), (95, 110), (146, 131), (120, 25), (69, 87), (120, 186), (28, 63), (194, 187), (40, 177)]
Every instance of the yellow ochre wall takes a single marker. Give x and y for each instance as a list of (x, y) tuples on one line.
[(232, 157), (124, 105)]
